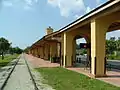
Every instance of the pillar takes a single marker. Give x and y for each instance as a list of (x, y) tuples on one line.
[(33, 52), (59, 52), (98, 37), (46, 51), (58, 49), (36, 52), (74, 52), (41, 52), (53, 50), (29, 52), (62, 50), (68, 48)]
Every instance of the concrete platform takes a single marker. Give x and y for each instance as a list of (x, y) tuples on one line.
[(38, 62), (113, 76)]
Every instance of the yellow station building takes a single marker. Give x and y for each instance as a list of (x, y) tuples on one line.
[(93, 26)]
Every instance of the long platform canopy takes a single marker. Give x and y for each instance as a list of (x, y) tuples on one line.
[(97, 11)]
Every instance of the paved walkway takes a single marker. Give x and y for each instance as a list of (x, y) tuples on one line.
[(20, 78), (113, 77), (38, 77), (38, 62)]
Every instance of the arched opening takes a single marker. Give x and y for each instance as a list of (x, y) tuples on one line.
[(113, 47), (81, 52)]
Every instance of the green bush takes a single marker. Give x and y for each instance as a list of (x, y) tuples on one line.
[(111, 57)]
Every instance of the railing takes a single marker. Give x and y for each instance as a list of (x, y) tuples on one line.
[(87, 63)]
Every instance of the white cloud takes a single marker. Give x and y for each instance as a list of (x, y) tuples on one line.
[(76, 8), (68, 6), (88, 9), (25, 4), (53, 2), (77, 16), (98, 1), (27, 7), (29, 2), (7, 3)]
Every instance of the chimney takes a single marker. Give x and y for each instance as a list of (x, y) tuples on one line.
[(49, 30)]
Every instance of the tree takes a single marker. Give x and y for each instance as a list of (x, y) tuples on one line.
[(83, 51), (16, 50), (4, 46), (26, 49), (11, 50), (118, 38), (118, 44), (111, 45)]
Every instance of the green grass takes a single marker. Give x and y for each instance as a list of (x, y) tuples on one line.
[(63, 79), (117, 57), (112, 57), (7, 59)]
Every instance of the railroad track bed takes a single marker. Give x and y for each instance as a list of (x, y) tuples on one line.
[(21, 77), (6, 71), (31, 75), (37, 78)]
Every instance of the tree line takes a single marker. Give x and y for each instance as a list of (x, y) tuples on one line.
[(6, 48), (112, 45)]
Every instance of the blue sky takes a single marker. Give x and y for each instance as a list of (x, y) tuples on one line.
[(23, 22)]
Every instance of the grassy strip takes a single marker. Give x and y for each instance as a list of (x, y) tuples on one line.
[(7, 59), (62, 79), (112, 57)]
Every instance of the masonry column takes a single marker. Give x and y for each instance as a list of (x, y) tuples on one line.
[(62, 50), (36, 52), (98, 32), (46, 51), (59, 52), (29, 52), (74, 51), (68, 48), (41, 52), (33, 52), (53, 50)]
